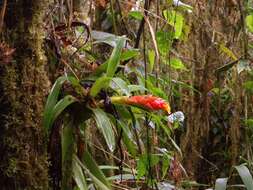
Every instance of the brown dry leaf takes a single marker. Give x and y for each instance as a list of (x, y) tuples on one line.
[(5, 53), (127, 5), (101, 3), (176, 170)]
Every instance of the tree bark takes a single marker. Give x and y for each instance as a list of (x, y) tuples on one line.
[(213, 23), (23, 87)]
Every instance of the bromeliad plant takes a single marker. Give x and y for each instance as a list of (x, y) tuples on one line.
[(108, 101)]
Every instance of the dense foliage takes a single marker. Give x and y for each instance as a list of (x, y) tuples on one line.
[(96, 88), (148, 94)]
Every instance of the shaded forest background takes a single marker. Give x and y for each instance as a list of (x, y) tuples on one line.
[(67, 68)]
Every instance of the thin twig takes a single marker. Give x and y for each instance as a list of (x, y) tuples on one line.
[(244, 39), (125, 24), (112, 155), (2, 15), (141, 26), (113, 16), (70, 68), (155, 45)]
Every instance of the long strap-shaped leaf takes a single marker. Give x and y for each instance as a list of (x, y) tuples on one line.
[(58, 109), (115, 57), (112, 64), (52, 100), (68, 151), (78, 176), (105, 126), (92, 173), (102, 82), (246, 176), (91, 164)]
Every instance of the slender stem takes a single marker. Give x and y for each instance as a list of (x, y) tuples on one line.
[(135, 131), (244, 39), (113, 16), (141, 27), (148, 144)]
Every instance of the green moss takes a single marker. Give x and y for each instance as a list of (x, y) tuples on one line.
[(23, 88), (12, 169)]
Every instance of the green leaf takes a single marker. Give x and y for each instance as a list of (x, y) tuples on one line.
[(68, 149), (166, 164), (158, 120), (221, 184), (104, 37), (91, 164), (59, 107), (107, 167), (136, 14), (177, 64), (170, 2), (105, 126), (101, 69), (185, 85), (123, 177), (175, 145), (249, 22), (67, 140), (144, 162), (245, 176), (114, 59), (248, 86), (164, 41), (155, 90), (185, 33), (134, 88), (52, 100), (151, 59), (118, 83), (94, 172), (141, 168), (249, 123), (225, 67), (79, 176), (128, 139), (76, 84), (227, 51), (100, 83), (176, 20), (129, 54)]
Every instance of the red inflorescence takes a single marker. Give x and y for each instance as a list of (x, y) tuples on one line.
[(149, 102)]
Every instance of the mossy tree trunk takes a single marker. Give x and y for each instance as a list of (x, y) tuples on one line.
[(23, 87)]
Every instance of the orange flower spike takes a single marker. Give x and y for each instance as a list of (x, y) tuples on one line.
[(146, 101)]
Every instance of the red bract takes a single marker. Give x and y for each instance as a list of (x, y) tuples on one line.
[(146, 101), (150, 102)]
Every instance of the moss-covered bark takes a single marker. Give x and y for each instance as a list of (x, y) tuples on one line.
[(23, 87)]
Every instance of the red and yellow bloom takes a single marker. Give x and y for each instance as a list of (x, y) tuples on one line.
[(146, 101)]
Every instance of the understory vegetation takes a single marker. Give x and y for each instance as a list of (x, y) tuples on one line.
[(144, 94)]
